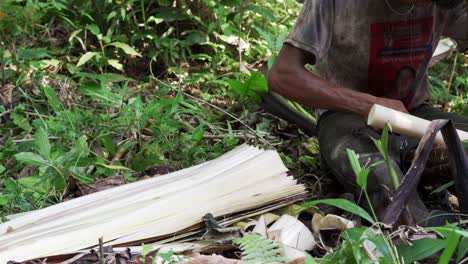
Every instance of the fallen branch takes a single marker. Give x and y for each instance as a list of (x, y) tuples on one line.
[(413, 176)]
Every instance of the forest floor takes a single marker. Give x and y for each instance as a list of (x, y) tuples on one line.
[(96, 94)]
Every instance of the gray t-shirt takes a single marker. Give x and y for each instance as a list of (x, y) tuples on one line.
[(364, 45)]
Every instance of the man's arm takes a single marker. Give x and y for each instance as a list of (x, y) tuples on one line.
[(291, 79)]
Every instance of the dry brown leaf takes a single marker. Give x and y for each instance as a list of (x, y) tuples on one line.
[(6, 95), (101, 185)]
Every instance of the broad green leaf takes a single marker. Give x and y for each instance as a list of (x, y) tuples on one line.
[(196, 37), (100, 92), (126, 48), (449, 229), (344, 205), (257, 82), (37, 184), (31, 159), (421, 249), (198, 133), (42, 143), (449, 249), (362, 178), (79, 150), (93, 28), (85, 58), (105, 77), (31, 54), (237, 87), (53, 99), (2, 169), (462, 249), (116, 64)]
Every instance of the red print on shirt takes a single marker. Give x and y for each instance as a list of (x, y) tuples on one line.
[(397, 50)]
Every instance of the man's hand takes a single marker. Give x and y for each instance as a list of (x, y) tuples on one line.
[(393, 104)]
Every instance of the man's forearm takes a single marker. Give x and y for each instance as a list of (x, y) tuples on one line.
[(290, 78), (309, 89)]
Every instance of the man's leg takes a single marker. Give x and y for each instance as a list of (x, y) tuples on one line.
[(340, 131)]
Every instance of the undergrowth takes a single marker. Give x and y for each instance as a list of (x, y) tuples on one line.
[(93, 89)]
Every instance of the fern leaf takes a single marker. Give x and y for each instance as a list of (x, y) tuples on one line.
[(259, 250)]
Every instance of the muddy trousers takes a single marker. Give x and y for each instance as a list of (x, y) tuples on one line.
[(341, 131)]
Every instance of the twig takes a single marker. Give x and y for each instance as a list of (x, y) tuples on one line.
[(223, 136), (3, 64), (452, 75), (31, 139), (6, 112), (101, 251)]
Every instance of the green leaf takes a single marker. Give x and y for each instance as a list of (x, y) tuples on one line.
[(449, 249), (462, 249), (310, 260), (93, 28), (31, 159), (79, 150), (446, 229), (257, 82), (42, 143), (100, 92), (105, 77), (265, 12), (53, 99), (443, 187), (384, 140), (354, 161), (237, 87), (37, 184), (126, 48), (362, 178), (198, 133), (421, 249), (114, 167), (344, 205), (116, 64), (2, 169), (31, 54), (85, 58)]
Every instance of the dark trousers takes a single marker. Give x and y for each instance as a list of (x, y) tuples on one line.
[(340, 131)]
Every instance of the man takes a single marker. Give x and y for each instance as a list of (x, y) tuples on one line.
[(364, 52)]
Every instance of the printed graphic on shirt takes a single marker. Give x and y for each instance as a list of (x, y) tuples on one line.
[(397, 52)]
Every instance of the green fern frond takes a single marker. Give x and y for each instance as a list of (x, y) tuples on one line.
[(259, 250)]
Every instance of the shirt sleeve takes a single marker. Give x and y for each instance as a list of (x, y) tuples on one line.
[(457, 27), (313, 29)]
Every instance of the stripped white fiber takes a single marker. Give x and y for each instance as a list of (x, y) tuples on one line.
[(242, 179)]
